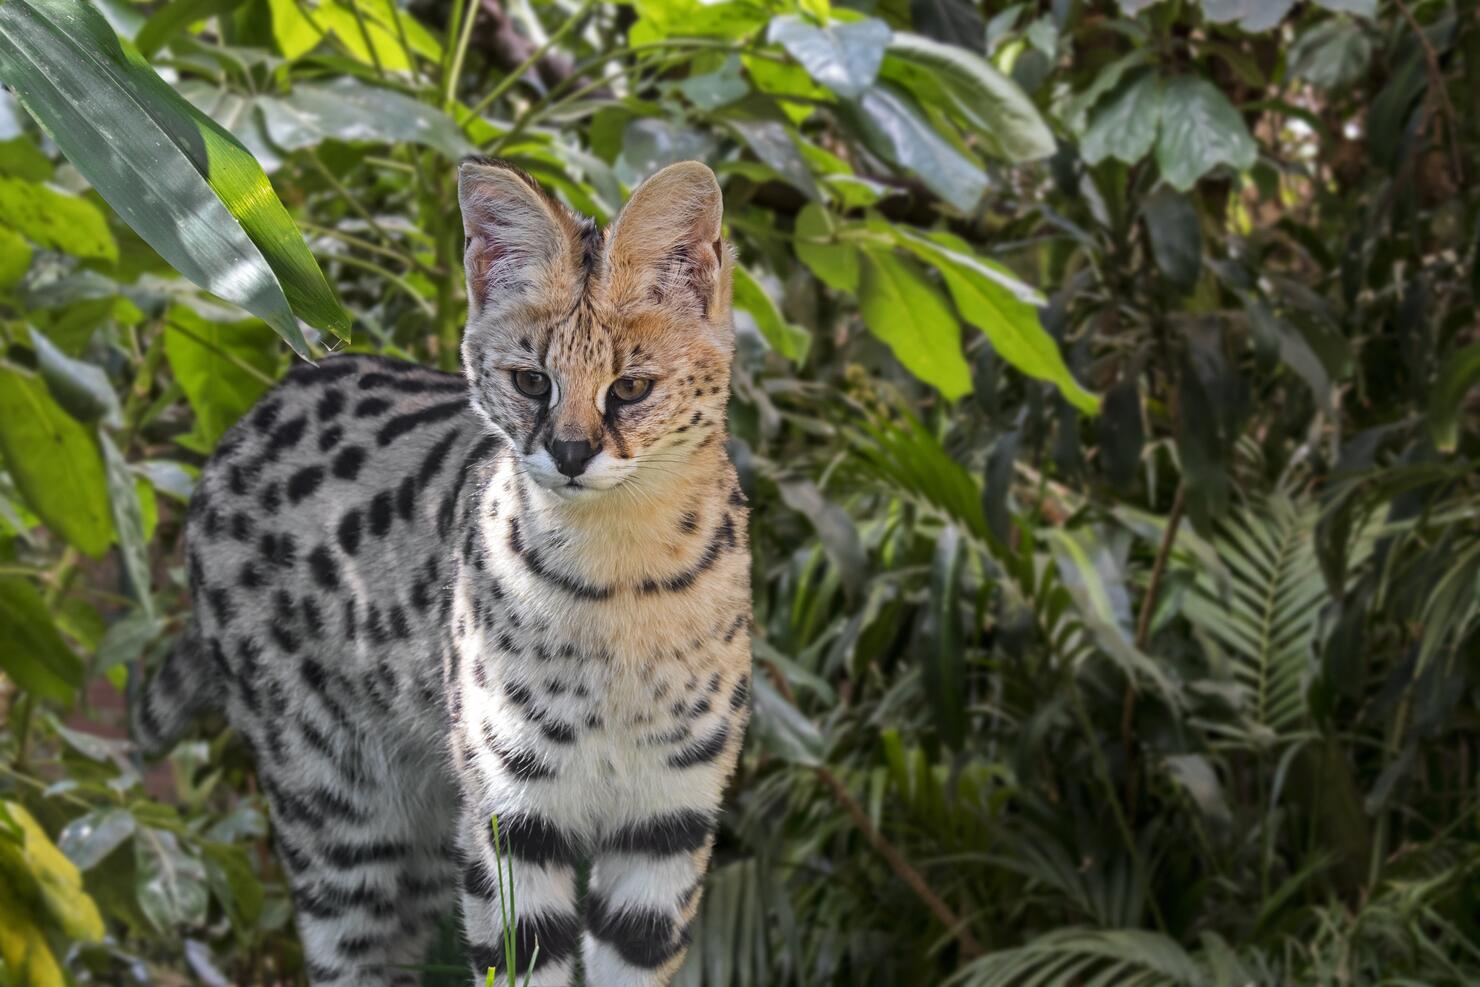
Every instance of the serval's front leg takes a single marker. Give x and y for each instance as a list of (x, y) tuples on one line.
[(648, 873)]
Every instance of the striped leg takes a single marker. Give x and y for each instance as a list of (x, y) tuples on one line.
[(542, 861), (644, 892)]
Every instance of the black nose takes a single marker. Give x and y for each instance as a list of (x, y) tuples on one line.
[(571, 457)]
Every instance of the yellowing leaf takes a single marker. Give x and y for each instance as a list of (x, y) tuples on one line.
[(58, 879), (28, 960)]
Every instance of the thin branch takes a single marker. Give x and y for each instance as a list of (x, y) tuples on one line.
[(903, 869), (1438, 92)]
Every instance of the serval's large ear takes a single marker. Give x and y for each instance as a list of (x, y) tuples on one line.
[(666, 247), (522, 246)]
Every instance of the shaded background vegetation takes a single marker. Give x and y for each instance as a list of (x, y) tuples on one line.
[(1100, 395)]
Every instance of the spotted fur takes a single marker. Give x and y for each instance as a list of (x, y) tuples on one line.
[(418, 619)]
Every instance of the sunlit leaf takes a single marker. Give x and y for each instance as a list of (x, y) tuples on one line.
[(179, 179), (54, 462), (908, 313)]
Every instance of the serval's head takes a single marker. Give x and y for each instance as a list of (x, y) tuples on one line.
[(603, 356)]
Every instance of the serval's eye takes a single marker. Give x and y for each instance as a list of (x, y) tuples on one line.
[(630, 390), (532, 383)]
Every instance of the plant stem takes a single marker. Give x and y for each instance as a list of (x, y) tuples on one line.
[(1102, 769), (902, 868), (454, 71)]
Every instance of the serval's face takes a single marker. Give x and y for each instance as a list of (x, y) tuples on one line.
[(604, 358)]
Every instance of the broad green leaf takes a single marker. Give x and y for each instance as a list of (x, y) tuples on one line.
[(785, 79), (995, 107), (294, 33), (54, 462), (1252, 15), (1200, 129), (835, 264), (843, 56), (369, 41), (223, 369), (894, 129), (15, 257), (79, 387), (711, 90), (1460, 374), (907, 312), (349, 110), (773, 144), (34, 655), (1361, 8), (989, 297), (52, 219), (1176, 237), (790, 341), (1077, 109), (171, 884), (90, 837), (174, 17), (1123, 126), (1331, 54), (174, 175)]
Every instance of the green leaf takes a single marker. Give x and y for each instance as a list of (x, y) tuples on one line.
[(1176, 237), (90, 837), (989, 297), (1361, 8), (174, 17), (51, 219), (1124, 125), (1331, 54), (15, 257), (79, 387), (773, 144), (842, 56), (893, 128), (1460, 373), (349, 110), (945, 670), (1076, 111), (1200, 129), (835, 264), (294, 33), (782, 728), (223, 369), (790, 341), (174, 175), (991, 103), (128, 521), (171, 884), (54, 463), (1252, 15), (34, 654), (907, 312)]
